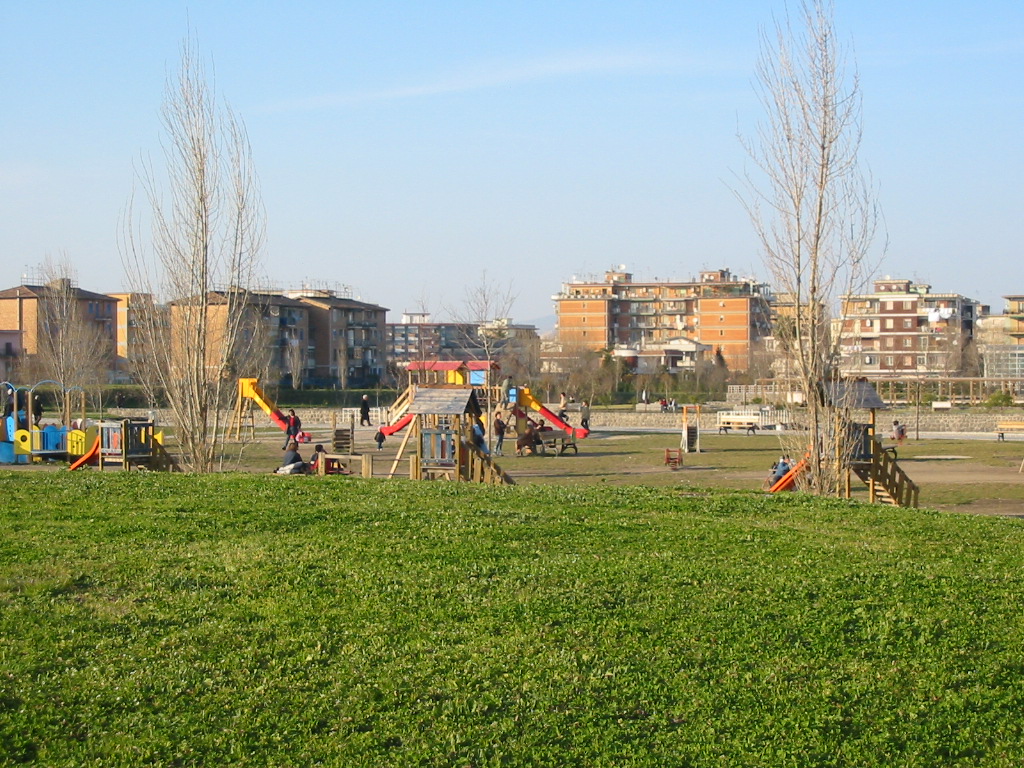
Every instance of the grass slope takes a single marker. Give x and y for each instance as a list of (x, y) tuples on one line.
[(251, 620)]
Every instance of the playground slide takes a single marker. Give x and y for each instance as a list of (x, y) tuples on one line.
[(88, 456), (398, 426), (530, 401), (788, 480), (266, 405)]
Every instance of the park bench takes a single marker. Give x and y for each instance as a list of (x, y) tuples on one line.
[(942, 405), (560, 444), (749, 423), (1008, 426)]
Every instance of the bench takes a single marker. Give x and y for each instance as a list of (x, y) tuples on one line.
[(738, 422), (1008, 426), (942, 405), (560, 444)]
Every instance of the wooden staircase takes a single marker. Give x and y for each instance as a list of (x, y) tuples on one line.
[(888, 482), (401, 405), (478, 467)]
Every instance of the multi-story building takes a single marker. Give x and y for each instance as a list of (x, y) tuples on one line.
[(902, 328), (730, 315), (10, 351), (346, 338), (514, 346), (38, 312), (1000, 340)]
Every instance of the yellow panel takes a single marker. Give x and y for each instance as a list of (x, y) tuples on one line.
[(76, 443), (22, 443)]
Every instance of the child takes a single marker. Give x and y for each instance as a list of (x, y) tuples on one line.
[(379, 438)]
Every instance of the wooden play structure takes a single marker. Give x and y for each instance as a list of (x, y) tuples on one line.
[(868, 460), (437, 443)]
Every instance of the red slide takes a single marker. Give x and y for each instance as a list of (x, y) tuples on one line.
[(531, 402), (398, 426), (89, 455)]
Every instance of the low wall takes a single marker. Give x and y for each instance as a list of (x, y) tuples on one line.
[(955, 420)]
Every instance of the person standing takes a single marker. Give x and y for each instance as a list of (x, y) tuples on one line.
[(379, 439), (364, 412), (585, 415), (506, 388), (292, 427), (499, 433)]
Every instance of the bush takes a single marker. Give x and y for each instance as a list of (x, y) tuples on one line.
[(999, 400)]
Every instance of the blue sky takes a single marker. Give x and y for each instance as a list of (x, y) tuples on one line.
[(405, 147)]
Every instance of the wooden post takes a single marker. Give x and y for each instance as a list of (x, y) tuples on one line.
[(368, 465)]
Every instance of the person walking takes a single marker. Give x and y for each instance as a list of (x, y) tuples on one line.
[(364, 412), (379, 439), (506, 388), (292, 427), (499, 433)]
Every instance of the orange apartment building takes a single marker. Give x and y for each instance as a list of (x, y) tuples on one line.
[(23, 310), (723, 312)]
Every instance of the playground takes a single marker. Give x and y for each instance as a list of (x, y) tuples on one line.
[(960, 473), (955, 473)]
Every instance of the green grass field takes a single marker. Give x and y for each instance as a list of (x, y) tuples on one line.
[(153, 619)]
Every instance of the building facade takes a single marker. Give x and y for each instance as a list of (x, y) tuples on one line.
[(346, 339), (902, 328), (728, 314), (41, 313)]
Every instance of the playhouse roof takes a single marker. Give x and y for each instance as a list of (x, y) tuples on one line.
[(448, 402), (482, 365), (436, 365), (854, 394)]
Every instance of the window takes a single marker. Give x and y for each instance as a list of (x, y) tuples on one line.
[(889, 305), (869, 323), (908, 322), (920, 359), (888, 323), (869, 359), (889, 360), (908, 342), (906, 361)]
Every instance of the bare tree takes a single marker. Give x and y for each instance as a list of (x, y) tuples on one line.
[(295, 359), (812, 208), (201, 260), (75, 347)]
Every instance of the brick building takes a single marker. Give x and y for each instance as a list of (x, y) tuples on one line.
[(717, 310), (903, 328)]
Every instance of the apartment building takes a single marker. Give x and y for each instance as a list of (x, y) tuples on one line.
[(36, 312), (1000, 340), (717, 310), (418, 337), (902, 328), (10, 351), (346, 342)]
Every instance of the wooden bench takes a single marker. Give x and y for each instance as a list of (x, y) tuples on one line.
[(738, 422), (1008, 426), (942, 405)]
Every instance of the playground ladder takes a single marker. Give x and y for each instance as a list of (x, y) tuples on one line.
[(891, 484)]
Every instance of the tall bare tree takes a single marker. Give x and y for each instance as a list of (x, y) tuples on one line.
[(201, 260), (812, 208), (73, 348)]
